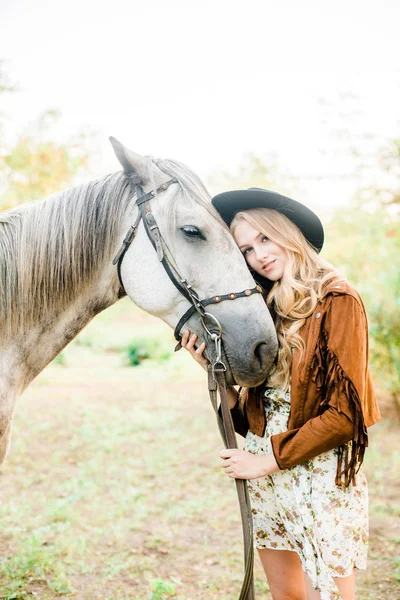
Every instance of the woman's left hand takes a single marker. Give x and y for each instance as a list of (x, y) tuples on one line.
[(240, 464)]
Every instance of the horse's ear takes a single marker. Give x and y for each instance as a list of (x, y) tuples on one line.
[(130, 161)]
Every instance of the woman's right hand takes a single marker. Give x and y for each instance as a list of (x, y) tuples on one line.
[(188, 342)]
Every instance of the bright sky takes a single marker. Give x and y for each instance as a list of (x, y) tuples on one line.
[(206, 81)]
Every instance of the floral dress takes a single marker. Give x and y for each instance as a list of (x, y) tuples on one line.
[(302, 509)]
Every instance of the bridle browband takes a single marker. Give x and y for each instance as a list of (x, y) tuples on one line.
[(216, 369), (166, 258)]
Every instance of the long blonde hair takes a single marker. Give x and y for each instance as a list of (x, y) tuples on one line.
[(294, 297)]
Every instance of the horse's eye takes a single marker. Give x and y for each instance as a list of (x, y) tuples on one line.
[(193, 232)]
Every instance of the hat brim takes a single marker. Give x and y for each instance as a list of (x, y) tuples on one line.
[(228, 204)]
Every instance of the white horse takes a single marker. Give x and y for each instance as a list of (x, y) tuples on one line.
[(56, 272)]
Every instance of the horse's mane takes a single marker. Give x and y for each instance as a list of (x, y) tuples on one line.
[(52, 249)]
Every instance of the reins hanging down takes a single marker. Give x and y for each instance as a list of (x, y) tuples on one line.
[(217, 368)]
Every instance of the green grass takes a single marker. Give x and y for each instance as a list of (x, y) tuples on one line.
[(33, 563), (161, 590)]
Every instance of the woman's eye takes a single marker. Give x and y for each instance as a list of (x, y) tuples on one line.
[(193, 232), (265, 239), (246, 252)]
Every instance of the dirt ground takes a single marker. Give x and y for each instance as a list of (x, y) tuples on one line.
[(113, 489)]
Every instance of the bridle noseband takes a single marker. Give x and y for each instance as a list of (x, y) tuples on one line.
[(209, 322)]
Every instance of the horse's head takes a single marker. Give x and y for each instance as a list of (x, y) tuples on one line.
[(207, 257)]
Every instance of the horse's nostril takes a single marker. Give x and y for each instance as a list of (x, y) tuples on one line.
[(264, 354), (261, 353)]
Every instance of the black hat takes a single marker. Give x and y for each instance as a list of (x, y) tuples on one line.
[(230, 203)]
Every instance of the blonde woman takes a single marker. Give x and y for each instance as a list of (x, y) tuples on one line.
[(306, 426)]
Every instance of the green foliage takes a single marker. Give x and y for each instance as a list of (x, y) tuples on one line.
[(385, 341), (365, 246), (141, 349), (161, 590), (37, 166), (137, 352), (32, 563), (59, 360)]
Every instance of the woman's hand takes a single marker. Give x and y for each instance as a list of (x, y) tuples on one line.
[(188, 343), (240, 464)]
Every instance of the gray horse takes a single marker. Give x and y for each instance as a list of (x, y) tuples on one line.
[(56, 272)]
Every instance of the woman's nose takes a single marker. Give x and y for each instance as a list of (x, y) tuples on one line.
[(261, 253)]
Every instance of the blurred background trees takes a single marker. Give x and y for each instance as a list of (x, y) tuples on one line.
[(254, 170), (36, 165), (363, 242)]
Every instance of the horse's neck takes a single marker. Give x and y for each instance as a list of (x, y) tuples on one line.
[(31, 351)]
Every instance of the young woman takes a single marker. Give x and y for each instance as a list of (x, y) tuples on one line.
[(305, 427)]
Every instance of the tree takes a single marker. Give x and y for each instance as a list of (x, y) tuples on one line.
[(38, 166), (364, 245)]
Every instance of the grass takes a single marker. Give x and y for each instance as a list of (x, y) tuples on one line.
[(34, 563), (161, 590), (113, 489)]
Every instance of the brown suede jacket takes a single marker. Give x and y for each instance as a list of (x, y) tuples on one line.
[(331, 394)]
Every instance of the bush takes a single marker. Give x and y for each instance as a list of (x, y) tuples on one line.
[(59, 360), (146, 348), (137, 352), (365, 246)]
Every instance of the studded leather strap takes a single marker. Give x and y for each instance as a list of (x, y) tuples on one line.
[(213, 300)]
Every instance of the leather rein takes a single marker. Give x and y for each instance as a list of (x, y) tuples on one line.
[(216, 368)]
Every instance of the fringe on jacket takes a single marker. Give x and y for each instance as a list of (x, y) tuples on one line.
[(331, 380)]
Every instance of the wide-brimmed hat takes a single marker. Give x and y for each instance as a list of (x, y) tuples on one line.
[(230, 203)]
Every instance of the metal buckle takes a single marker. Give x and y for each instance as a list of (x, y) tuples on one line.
[(216, 322)]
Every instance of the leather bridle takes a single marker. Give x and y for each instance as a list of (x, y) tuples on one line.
[(217, 368), (165, 256)]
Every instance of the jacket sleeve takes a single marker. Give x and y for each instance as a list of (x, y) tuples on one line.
[(339, 371), (318, 435)]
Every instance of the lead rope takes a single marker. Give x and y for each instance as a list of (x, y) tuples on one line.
[(217, 380), (216, 371)]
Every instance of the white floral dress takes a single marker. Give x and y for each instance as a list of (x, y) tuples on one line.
[(302, 509)]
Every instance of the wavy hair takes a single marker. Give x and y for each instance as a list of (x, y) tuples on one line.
[(295, 296)]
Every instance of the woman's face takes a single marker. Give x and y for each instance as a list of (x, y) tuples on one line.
[(264, 256)]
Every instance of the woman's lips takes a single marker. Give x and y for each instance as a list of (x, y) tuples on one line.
[(269, 266)]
